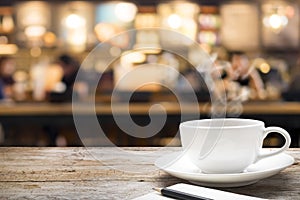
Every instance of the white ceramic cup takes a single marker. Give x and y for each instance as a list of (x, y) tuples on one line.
[(227, 145)]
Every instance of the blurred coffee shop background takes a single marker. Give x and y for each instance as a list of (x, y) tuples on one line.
[(43, 43)]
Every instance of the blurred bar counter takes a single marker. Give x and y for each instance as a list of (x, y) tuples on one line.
[(142, 108), (31, 120)]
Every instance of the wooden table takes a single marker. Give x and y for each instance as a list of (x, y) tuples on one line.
[(74, 173)]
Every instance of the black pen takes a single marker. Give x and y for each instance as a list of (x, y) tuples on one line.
[(179, 194)]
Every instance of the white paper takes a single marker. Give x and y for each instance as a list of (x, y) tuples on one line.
[(199, 191)]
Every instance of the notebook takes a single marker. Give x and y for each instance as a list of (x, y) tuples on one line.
[(199, 191)]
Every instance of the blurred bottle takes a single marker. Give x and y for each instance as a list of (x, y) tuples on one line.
[(38, 73), (21, 85)]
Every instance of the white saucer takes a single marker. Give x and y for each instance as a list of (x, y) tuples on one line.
[(180, 166)]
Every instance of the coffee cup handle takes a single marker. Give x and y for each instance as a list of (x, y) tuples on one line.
[(286, 145)]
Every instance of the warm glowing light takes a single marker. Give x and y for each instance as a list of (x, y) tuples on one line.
[(125, 12), (35, 31), (32, 13), (276, 21), (7, 23), (75, 21), (60, 87), (174, 21), (35, 51), (277, 15), (20, 76), (151, 50), (49, 38), (76, 31), (265, 68), (8, 49), (78, 38), (105, 31), (133, 57)]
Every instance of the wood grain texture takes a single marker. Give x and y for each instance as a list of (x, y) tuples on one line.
[(107, 173)]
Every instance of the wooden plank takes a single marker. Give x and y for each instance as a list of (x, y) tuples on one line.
[(73, 172)]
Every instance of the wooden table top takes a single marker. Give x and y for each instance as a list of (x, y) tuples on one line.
[(75, 173), (24, 109)]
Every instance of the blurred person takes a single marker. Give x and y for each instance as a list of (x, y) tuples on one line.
[(245, 78), (70, 67), (7, 69), (195, 80), (63, 90), (219, 74), (1, 90), (292, 93), (66, 69)]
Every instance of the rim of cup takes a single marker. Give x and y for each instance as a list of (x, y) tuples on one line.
[(221, 123)]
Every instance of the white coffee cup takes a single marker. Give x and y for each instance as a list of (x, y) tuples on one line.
[(227, 145)]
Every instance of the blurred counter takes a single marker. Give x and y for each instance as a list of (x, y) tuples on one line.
[(55, 118), (57, 109)]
